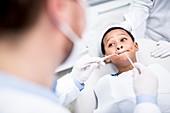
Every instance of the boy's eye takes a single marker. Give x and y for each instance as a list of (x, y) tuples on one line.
[(123, 39), (111, 44)]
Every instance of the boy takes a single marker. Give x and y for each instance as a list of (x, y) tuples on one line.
[(115, 92)]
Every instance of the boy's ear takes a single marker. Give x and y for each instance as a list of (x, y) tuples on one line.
[(136, 46), (108, 59)]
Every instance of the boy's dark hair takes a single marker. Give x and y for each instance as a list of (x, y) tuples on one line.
[(111, 29), (17, 15)]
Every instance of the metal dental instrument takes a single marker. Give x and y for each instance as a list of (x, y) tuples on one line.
[(130, 61), (104, 58)]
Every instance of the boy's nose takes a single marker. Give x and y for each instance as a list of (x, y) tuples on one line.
[(120, 47)]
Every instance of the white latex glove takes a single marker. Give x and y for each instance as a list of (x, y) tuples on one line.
[(161, 50), (84, 67), (144, 81)]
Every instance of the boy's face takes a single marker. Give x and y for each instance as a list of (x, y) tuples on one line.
[(118, 41)]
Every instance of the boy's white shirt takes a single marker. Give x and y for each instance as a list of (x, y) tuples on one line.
[(112, 89), (122, 82)]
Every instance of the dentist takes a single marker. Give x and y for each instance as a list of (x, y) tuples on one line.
[(36, 36)]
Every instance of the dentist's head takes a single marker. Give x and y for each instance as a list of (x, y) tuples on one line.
[(36, 36)]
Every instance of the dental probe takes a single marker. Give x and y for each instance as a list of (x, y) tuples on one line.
[(104, 58), (130, 60)]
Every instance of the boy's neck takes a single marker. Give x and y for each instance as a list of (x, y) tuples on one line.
[(124, 69)]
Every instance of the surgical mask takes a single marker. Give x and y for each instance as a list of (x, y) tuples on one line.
[(79, 46), (68, 32)]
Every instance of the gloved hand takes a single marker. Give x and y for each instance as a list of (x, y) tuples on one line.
[(144, 81), (84, 67), (162, 50)]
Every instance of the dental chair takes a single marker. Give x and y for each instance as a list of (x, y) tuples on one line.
[(86, 102)]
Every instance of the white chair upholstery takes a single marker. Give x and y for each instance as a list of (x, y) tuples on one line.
[(143, 55), (86, 103)]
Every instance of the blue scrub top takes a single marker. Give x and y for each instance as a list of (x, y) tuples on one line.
[(7, 81)]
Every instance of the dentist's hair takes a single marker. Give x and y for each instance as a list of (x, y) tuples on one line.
[(111, 29), (18, 15)]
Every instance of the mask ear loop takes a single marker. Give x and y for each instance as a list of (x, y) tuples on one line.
[(68, 32)]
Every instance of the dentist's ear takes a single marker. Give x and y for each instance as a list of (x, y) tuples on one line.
[(55, 9)]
